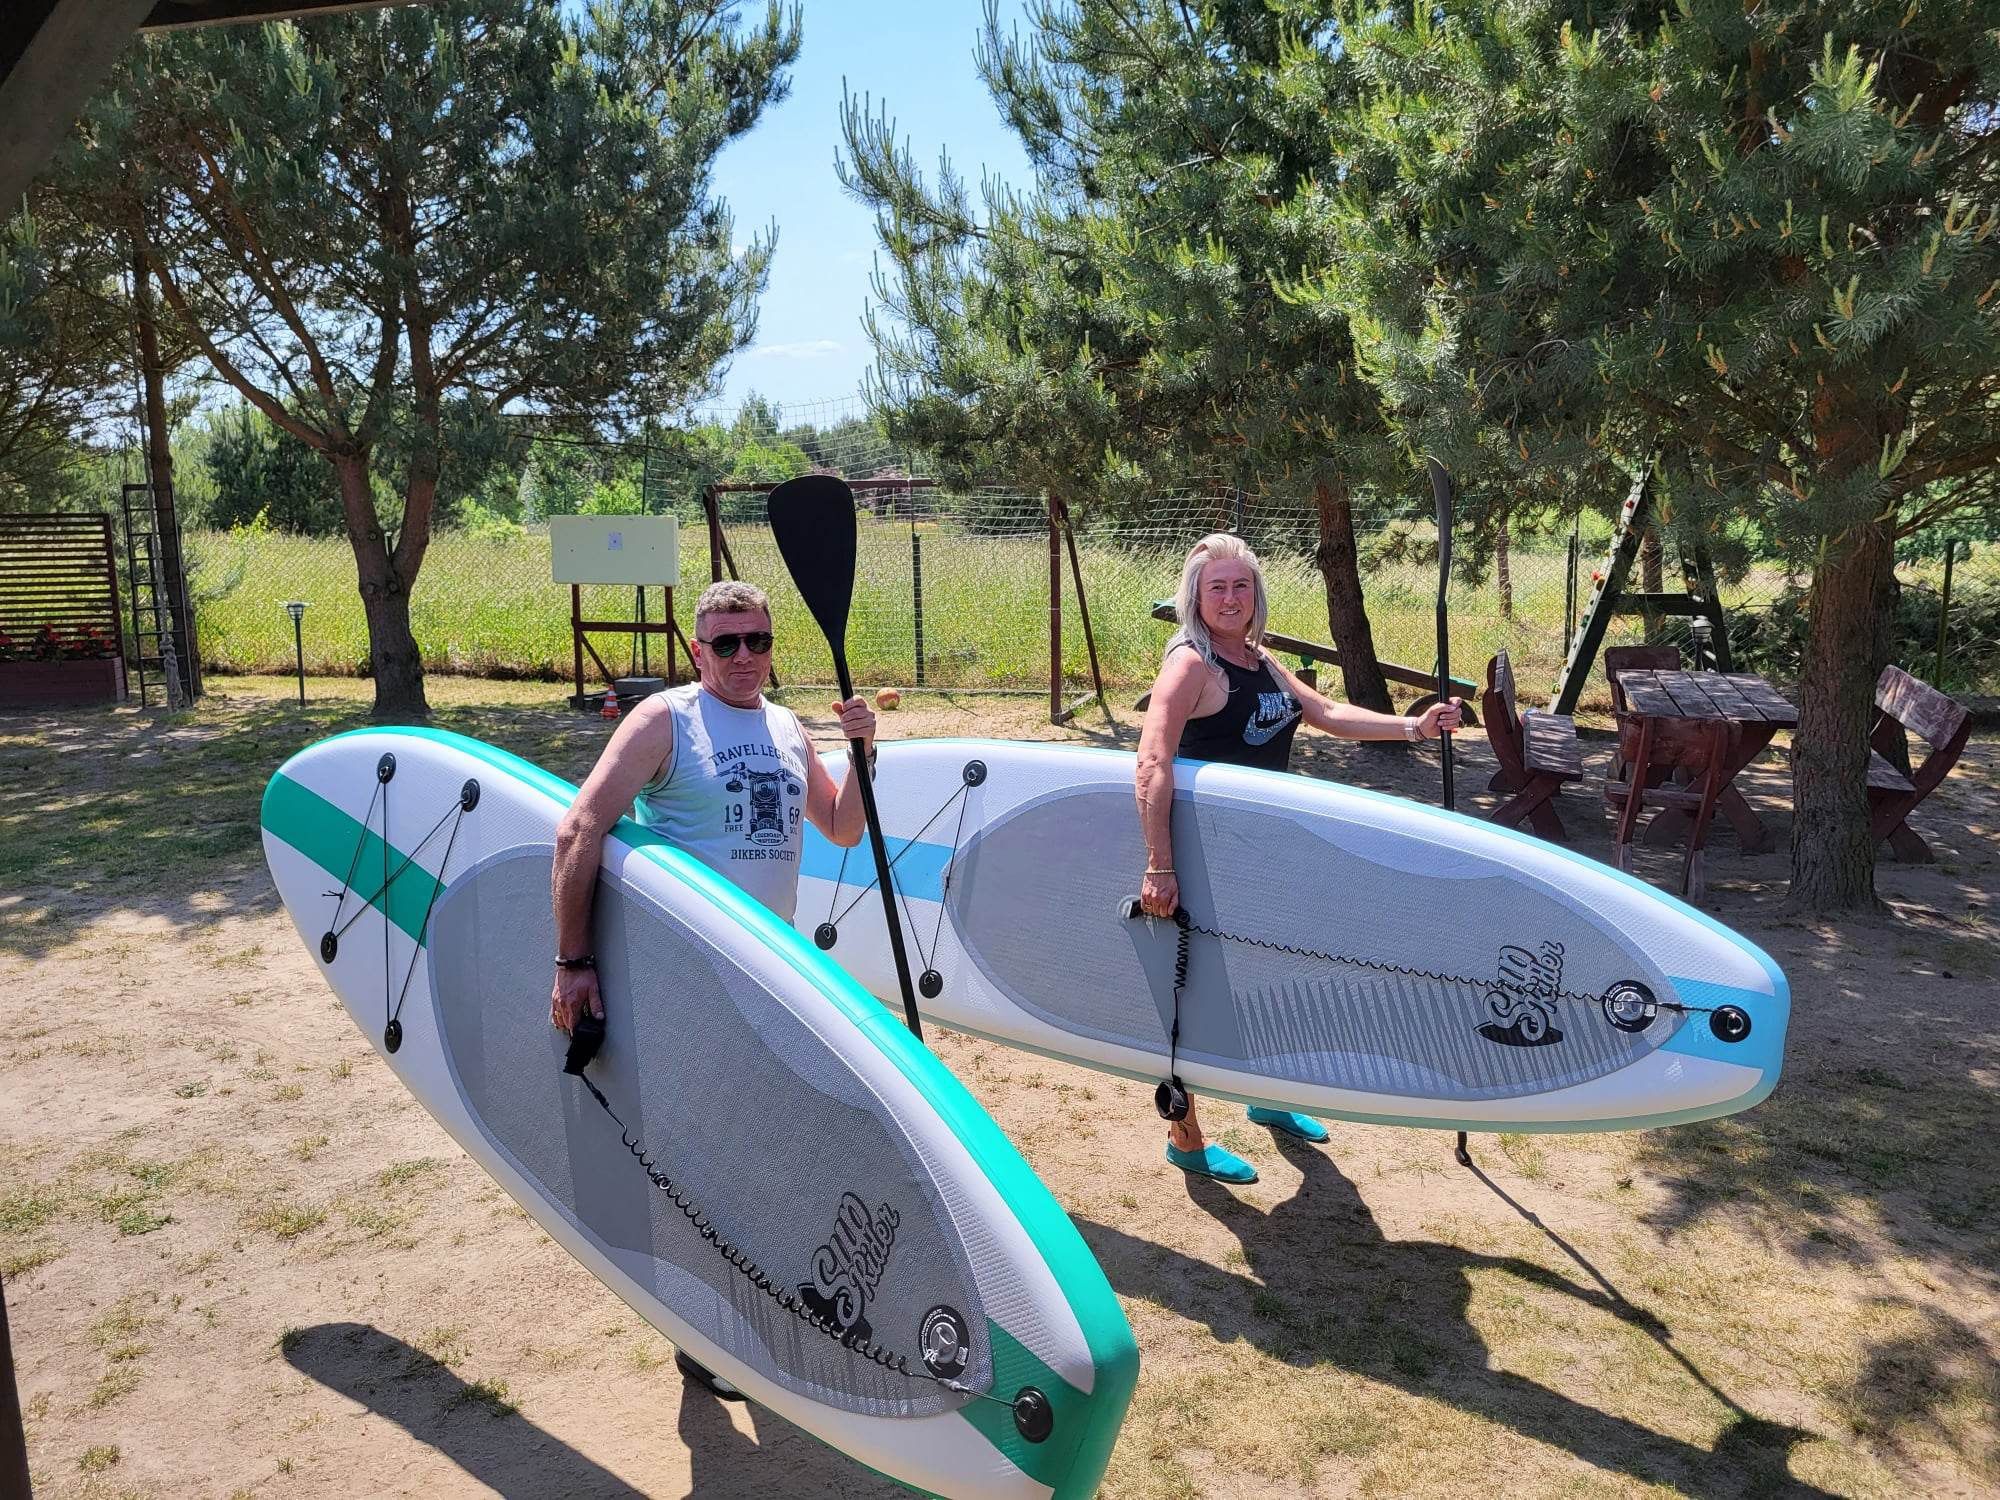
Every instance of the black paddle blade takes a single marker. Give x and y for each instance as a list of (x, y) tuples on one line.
[(812, 518), (1441, 491)]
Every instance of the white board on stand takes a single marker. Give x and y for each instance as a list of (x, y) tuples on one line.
[(615, 549)]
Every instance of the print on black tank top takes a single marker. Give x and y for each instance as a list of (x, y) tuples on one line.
[(1254, 728)]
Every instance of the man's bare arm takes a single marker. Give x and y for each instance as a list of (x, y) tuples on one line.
[(643, 744)]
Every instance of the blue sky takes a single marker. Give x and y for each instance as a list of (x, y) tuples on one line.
[(916, 58)]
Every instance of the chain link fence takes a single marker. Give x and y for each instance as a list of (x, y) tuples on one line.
[(952, 589)]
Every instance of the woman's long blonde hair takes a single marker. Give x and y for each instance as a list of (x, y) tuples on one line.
[(1222, 545)]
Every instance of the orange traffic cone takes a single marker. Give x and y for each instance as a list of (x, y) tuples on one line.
[(610, 709)]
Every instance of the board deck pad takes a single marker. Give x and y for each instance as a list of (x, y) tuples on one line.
[(719, 1081), (776, 1175), (1039, 927), (1349, 954)]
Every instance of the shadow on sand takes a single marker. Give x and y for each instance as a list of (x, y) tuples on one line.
[(1395, 1311), (510, 1455)]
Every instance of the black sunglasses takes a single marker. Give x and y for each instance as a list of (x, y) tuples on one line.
[(724, 646)]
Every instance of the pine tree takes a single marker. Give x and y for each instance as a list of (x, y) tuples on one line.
[(1753, 241), (358, 217), (1124, 320)]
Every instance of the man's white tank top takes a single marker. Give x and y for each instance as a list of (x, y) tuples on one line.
[(734, 792)]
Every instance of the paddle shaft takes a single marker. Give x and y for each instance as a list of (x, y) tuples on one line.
[(858, 753), (1441, 491)]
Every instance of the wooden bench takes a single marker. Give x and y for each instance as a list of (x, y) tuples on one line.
[(1538, 753), (1906, 706)]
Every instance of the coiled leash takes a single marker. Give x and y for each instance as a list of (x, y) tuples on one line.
[(1034, 1416), (1627, 1005)]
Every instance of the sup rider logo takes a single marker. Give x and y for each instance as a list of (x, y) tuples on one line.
[(848, 1267), (1523, 1002)]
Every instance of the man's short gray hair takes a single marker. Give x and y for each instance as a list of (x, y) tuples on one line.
[(729, 596)]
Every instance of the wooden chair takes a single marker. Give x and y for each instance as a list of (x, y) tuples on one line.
[(1538, 753), (1905, 706), (1700, 747), (1634, 659)]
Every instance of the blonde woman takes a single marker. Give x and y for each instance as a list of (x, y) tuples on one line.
[(1221, 696)]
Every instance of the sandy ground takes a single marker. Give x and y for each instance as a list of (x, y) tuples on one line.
[(242, 1261)]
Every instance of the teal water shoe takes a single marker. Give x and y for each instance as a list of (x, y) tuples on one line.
[(1213, 1161), (1305, 1127)]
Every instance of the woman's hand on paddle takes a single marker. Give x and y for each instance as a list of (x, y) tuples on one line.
[(1159, 895), (575, 992), (1440, 718)]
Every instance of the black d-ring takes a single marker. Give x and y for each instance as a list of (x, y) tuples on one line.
[(1630, 1006), (468, 796), (974, 772), (392, 1035), (930, 984), (825, 934), (1730, 1023), (1034, 1418), (385, 768)]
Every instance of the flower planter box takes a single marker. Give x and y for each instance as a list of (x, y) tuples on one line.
[(61, 684)]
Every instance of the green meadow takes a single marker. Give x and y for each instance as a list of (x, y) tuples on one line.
[(488, 607)]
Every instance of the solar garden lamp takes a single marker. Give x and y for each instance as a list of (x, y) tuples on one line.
[(1702, 632), (296, 608)]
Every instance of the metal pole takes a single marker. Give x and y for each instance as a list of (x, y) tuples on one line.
[(1569, 593), (1944, 614), (1055, 618), (299, 646), (917, 594), (576, 638), (13, 1438)]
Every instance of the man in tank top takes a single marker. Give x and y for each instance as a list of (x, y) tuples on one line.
[(724, 774), (1221, 696)]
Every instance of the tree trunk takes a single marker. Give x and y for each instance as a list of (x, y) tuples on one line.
[(1503, 568), (1346, 614), (1652, 579), (1833, 858), (385, 599)]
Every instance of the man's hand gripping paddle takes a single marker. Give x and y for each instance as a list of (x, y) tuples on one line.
[(812, 518)]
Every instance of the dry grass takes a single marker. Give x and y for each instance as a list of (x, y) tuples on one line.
[(251, 1212)]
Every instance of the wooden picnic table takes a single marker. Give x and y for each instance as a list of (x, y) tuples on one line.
[(1754, 708)]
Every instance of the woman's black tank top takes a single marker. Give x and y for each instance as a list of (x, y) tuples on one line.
[(1254, 728)]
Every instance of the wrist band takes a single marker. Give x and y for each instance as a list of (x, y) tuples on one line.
[(582, 961), (1413, 730), (1167, 871)]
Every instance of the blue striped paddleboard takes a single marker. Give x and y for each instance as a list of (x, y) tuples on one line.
[(760, 1160)]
